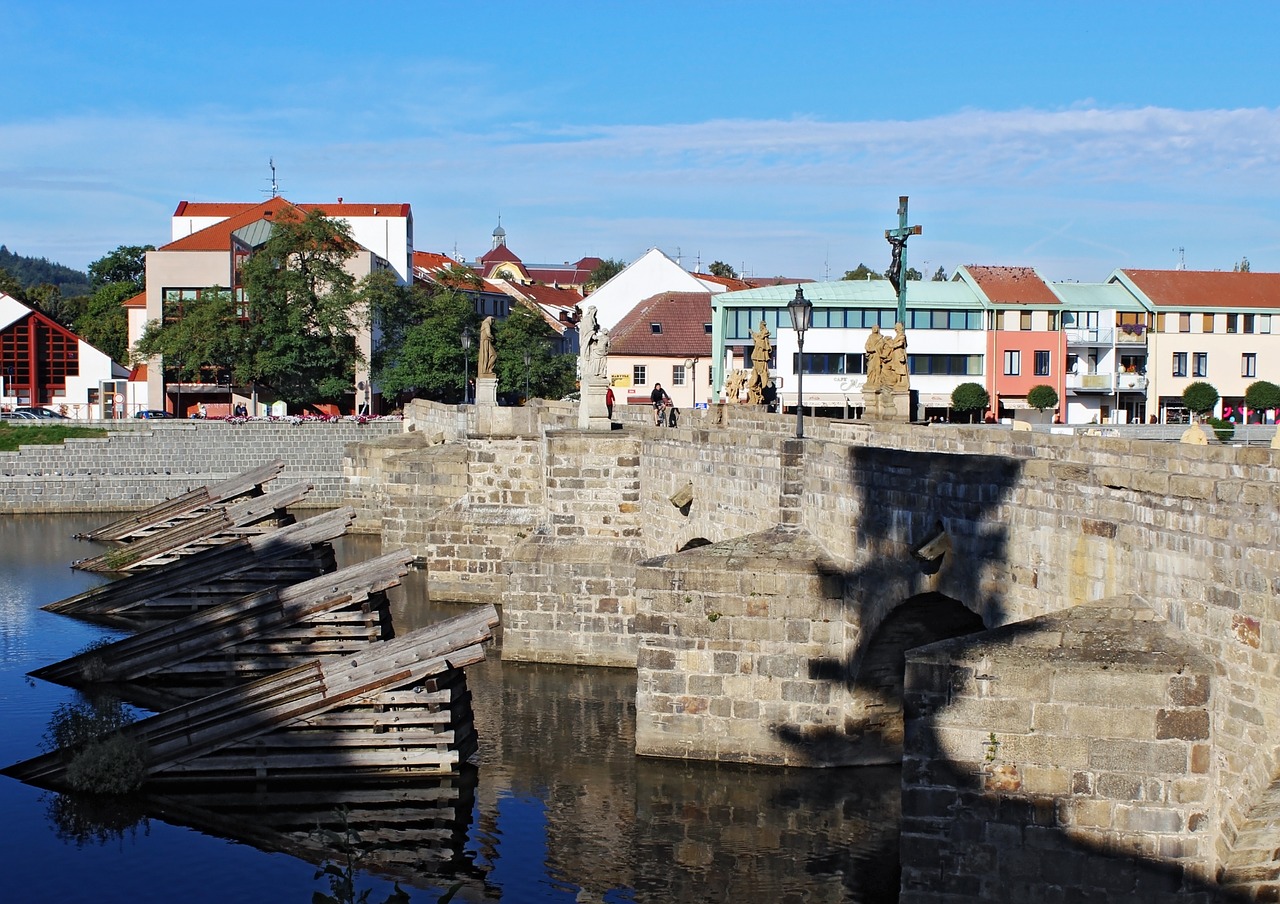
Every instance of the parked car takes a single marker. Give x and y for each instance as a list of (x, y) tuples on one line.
[(152, 413), (18, 416), (44, 414)]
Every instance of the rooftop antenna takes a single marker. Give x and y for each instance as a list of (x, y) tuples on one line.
[(1182, 257), (678, 255), (275, 187)]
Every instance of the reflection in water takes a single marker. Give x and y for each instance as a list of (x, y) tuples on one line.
[(558, 808)]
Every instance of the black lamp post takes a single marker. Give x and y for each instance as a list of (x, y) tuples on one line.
[(801, 311), (466, 364), (528, 359)]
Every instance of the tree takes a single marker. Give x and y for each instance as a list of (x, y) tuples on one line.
[(104, 323), (11, 286), (420, 351), (1042, 396), (605, 271), (722, 270), (1242, 265), (550, 375), (1262, 395), (913, 273), (970, 397), (863, 272), (206, 334), (127, 264), (1199, 397), (940, 275), (303, 311)]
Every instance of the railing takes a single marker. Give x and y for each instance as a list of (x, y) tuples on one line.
[(1089, 336), (1124, 382), (1134, 338)]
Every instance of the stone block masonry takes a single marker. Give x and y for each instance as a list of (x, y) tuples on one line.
[(130, 470)]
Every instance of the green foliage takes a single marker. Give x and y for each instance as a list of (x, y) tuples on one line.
[(1042, 396), (420, 352), (972, 397), (940, 275), (32, 433), (32, 271), (104, 323), (1224, 429), (1200, 397), (605, 271), (127, 264), (303, 312), (102, 759), (913, 273), (550, 375), (862, 272), (1262, 395), (722, 270), (206, 332)]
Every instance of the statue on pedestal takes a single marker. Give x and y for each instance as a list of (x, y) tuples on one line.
[(761, 351), (488, 355)]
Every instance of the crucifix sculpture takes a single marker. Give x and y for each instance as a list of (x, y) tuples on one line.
[(897, 238)]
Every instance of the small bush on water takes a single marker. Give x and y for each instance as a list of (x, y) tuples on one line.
[(101, 760)]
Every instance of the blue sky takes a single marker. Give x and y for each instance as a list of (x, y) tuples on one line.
[(1076, 137)]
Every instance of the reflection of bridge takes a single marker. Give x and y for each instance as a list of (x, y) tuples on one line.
[(768, 617)]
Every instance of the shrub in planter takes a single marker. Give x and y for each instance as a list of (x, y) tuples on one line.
[(1224, 429)]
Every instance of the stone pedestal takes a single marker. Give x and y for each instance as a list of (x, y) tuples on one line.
[(487, 391), (887, 405), (593, 412)]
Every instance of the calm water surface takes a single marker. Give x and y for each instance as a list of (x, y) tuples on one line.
[(558, 808)]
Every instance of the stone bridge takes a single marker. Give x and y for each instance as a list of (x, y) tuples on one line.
[(1069, 642)]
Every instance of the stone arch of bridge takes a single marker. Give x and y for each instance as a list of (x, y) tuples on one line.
[(694, 544), (878, 675)]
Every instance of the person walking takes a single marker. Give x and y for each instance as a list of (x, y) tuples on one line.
[(660, 400)]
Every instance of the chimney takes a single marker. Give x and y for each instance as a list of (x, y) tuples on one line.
[(339, 199)]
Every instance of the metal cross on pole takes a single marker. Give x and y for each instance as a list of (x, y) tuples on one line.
[(897, 238)]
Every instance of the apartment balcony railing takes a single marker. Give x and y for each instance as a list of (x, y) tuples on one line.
[(1089, 337), (1121, 382), (1137, 337)]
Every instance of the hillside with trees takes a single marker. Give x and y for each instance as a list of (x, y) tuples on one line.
[(30, 272)]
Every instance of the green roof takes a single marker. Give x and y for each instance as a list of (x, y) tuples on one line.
[(1096, 297), (854, 293)]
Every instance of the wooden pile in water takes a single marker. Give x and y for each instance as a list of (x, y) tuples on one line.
[(395, 709), (246, 565), (187, 506), (216, 527)]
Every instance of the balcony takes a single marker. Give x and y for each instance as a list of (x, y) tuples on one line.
[(1131, 334), (1089, 337), (1106, 383)]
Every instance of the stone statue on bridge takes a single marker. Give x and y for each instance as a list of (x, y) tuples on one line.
[(488, 356), (761, 352)]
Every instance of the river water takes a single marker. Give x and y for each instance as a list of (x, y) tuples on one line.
[(557, 809)]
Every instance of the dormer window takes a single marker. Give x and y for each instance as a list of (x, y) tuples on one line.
[(655, 328), (706, 328)]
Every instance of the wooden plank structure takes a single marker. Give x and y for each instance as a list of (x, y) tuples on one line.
[(247, 638), (216, 527), (188, 505), (247, 564), (396, 709)]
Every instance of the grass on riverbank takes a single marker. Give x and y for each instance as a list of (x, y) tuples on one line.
[(12, 436)]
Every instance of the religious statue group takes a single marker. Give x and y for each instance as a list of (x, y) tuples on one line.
[(887, 361), (593, 347)]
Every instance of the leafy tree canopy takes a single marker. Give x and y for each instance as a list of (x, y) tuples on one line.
[(1200, 397), (206, 334), (605, 271), (550, 375), (722, 270), (1262, 395), (970, 397), (913, 273), (862, 272), (33, 271), (940, 275), (103, 321), (420, 352), (1042, 396), (127, 264), (304, 310)]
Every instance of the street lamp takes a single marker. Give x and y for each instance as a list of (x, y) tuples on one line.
[(466, 363), (692, 364), (801, 311), (528, 358)]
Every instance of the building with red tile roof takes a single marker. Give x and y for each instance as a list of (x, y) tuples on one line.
[(500, 262), (664, 339)]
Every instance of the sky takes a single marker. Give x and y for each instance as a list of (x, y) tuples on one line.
[(1075, 137)]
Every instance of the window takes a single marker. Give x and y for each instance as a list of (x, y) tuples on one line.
[(1249, 325), (1264, 323), (1053, 321), (1042, 364), (1184, 322), (655, 328), (1024, 320), (1012, 363), (1179, 364), (677, 374), (706, 328), (1233, 323), (638, 375), (1200, 364), (1206, 323), (1249, 364), (946, 365), (1161, 322)]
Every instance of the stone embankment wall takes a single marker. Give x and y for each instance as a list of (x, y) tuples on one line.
[(130, 470), (1021, 524)]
